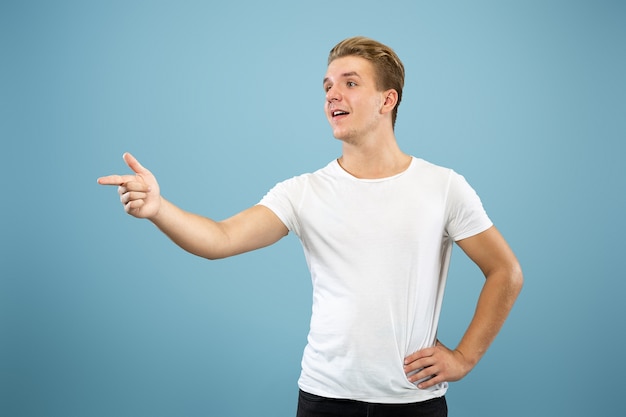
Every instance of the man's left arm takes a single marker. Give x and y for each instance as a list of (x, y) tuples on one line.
[(503, 283)]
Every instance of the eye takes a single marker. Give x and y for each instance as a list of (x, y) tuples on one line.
[(327, 87), (351, 84)]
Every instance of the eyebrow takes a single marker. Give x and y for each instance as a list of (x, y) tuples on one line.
[(344, 75)]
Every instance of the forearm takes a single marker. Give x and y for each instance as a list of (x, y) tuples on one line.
[(503, 283), (196, 234), (251, 229), (494, 304)]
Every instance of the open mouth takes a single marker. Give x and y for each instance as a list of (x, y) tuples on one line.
[(339, 113)]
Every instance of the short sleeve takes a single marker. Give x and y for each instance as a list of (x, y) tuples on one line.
[(465, 214), (283, 200)]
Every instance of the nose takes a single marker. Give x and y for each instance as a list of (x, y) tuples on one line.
[(333, 94)]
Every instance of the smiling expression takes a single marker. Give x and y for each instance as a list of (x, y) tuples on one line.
[(353, 102)]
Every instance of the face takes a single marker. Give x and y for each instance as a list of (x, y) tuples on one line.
[(354, 106)]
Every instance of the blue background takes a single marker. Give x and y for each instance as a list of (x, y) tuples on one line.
[(100, 315)]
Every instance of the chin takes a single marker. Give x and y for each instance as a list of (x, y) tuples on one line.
[(341, 134), (346, 138)]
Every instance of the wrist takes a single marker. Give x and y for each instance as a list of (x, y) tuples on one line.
[(467, 358), (159, 211)]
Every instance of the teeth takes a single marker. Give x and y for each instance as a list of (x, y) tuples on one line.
[(338, 112)]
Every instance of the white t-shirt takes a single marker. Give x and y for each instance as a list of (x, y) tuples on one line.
[(378, 251)]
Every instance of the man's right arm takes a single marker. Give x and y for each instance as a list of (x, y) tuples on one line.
[(251, 229)]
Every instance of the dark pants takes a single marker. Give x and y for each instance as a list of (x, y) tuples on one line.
[(310, 405)]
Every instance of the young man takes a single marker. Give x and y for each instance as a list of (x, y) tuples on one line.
[(377, 227)]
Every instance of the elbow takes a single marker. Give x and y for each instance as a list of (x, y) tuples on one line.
[(509, 278), (516, 278), (212, 255), (215, 254)]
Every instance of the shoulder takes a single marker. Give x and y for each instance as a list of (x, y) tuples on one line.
[(328, 171), (424, 166), (428, 168), (432, 173), (298, 183)]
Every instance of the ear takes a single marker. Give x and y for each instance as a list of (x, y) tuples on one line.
[(390, 100)]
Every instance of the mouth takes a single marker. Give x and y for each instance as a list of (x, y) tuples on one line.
[(337, 113)]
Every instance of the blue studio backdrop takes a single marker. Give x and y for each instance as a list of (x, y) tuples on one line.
[(101, 315)]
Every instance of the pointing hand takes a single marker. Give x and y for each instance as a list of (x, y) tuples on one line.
[(139, 192)]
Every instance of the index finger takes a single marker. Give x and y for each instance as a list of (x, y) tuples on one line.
[(115, 179)]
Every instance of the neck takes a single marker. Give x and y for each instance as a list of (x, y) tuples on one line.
[(374, 161)]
